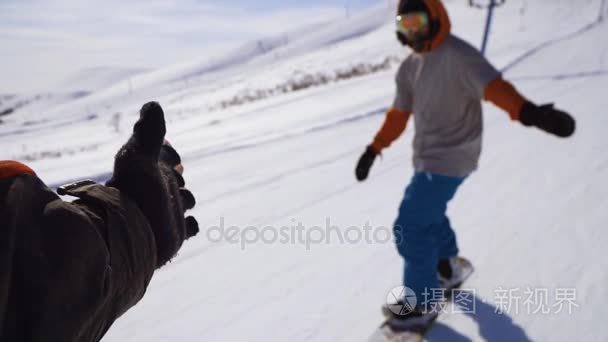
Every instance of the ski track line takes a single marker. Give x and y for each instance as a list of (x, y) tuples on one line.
[(279, 176), (287, 136), (549, 43), (561, 77), (45, 125)]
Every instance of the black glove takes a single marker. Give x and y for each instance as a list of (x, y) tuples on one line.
[(365, 163), (548, 119), (148, 171)]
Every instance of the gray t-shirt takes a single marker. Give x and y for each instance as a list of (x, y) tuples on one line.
[(443, 89)]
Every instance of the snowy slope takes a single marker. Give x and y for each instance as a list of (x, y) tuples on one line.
[(76, 86), (533, 216)]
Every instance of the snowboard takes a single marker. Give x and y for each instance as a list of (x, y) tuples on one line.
[(388, 332)]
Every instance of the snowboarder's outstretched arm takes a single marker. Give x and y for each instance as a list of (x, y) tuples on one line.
[(394, 124), (392, 128), (504, 95)]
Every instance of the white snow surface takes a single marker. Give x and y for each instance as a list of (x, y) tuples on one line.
[(532, 217)]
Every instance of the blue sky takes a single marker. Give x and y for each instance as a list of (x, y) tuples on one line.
[(45, 41)]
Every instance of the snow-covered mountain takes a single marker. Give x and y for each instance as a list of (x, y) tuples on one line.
[(270, 134)]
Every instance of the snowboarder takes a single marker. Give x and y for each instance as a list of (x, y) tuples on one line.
[(68, 270), (442, 83)]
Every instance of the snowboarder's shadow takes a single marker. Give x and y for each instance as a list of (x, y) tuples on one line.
[(493, 326)]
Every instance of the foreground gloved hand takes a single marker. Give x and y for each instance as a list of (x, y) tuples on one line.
[(147, 170), (548, 119), (365, 163)]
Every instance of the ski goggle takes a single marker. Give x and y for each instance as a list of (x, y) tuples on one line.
[(412, 23)]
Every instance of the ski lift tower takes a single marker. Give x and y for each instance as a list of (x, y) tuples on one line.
[(490, 5)]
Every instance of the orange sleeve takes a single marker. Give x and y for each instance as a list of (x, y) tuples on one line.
[(504, 95), (394, 124)]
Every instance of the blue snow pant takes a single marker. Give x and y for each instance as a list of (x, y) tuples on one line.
[(423, 232)]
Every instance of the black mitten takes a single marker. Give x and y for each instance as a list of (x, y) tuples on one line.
[(548, 119), (365, 163)]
